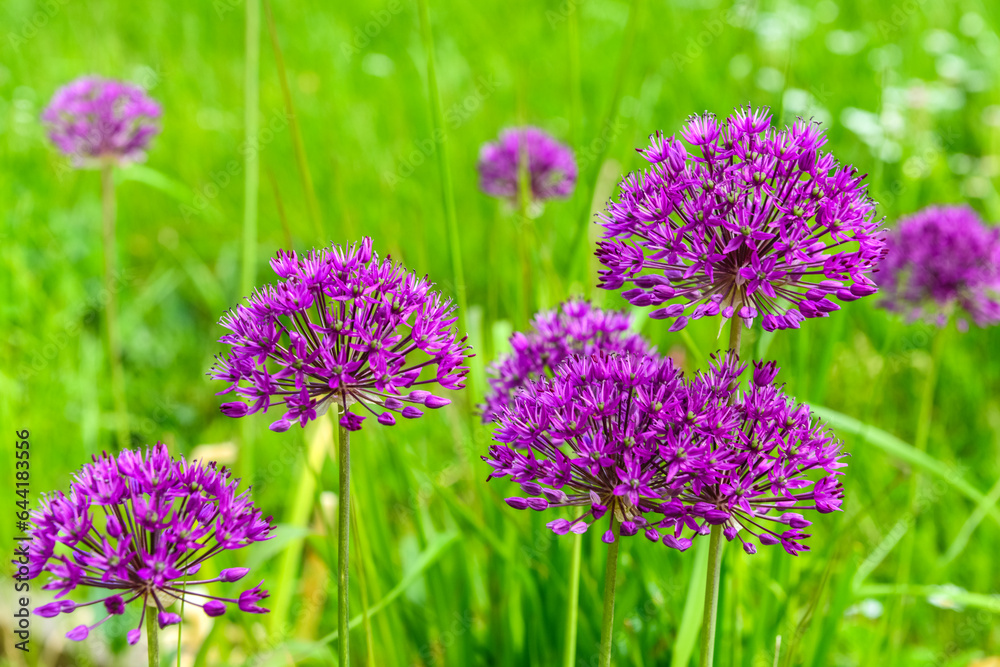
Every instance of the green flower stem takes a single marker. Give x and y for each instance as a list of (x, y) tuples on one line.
[(715, 545), (711, 597), (111, 326), (610, 573), (152, 640), (251, 183), (924, 419), (343, 546), (573, 602)]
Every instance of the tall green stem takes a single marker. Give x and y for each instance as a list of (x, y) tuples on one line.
[(715, 544), (111, 330), (440, 137), (573, 602), (152, 638), (711, 597), (924, 420), (610, 573), (343, 546), (251, 183), (523, 230)]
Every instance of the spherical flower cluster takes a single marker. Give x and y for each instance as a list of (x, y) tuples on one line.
[(575, 327), (627, 434), (753, 222), (943, 259), (95, 120), (342, 327), (551, 166), (776, 463), (159, 521)]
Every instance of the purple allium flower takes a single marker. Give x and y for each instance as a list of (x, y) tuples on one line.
[(341, 326), (94, 120), (551, 166), (755, 221), (628, 434), (160, 519), (940, 259), (575, 327), (587, 438), (755, 479)]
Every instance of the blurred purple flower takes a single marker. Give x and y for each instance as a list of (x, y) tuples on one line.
[(344, 327), (575, 327), (942, 259), (757, 222), (95, 120), (161, 519), (551, 166)]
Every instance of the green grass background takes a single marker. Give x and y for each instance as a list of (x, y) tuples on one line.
[(909, 93)]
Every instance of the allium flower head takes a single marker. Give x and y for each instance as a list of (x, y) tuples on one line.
[(628, 434), (94, 120), (776, 463), (574, 327), (751, 221), (341, 326), (551, 166), (588, 439), (159, 520), (942, 259)]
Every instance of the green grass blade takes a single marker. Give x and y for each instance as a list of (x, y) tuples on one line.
[(965, 532), (893, 446), (690, 626), (427, 558), (312, 204), (444, 168)]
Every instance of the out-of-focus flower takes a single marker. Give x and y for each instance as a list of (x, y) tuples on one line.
[(943, 260), (341, 326), (551, 168), (754, 222), (95, 121), (575, 327), (160, 520)]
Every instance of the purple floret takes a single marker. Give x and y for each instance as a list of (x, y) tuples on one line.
[(752, 222), (95, 120), (551, 166), (342, 327), (943, 261), (574, 327), (138, 527)]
